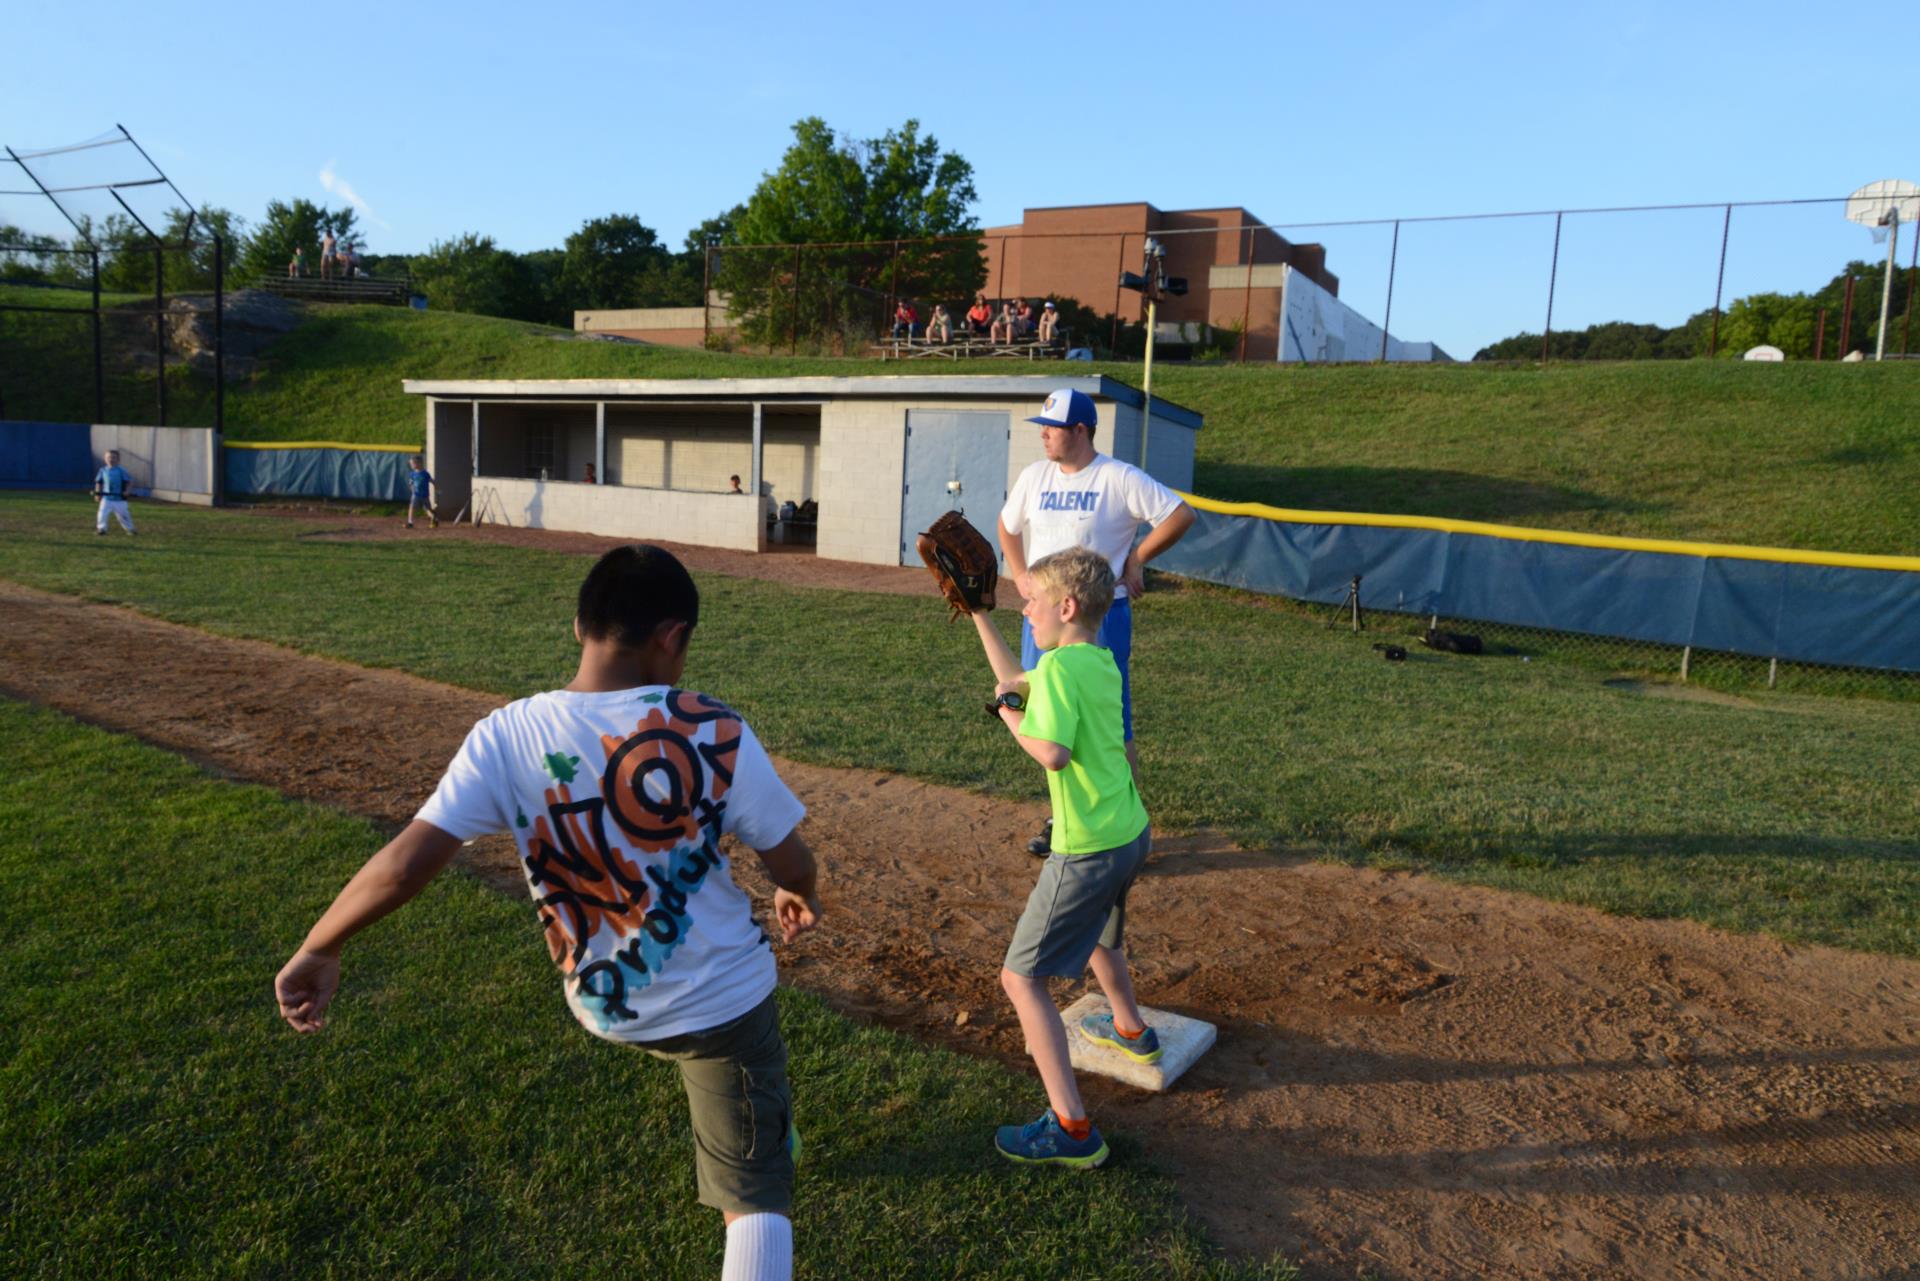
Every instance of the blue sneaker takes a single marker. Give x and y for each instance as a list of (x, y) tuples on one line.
[(1099, 1029), (1043, 1142)]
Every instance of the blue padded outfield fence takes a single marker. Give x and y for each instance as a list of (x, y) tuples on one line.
[(1773, 604), (317, 469), (1769, 603), (173, 463)]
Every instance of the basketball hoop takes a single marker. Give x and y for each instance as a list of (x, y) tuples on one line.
[(1881, 207)]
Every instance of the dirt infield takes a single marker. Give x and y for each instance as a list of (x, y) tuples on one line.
[(1414, 1079)]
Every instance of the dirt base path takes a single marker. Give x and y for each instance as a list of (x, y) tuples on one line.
[(1414, 1079)]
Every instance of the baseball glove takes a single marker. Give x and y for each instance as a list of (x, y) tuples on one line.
[(962, 562)]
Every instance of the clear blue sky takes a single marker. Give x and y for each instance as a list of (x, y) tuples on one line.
[(521, 121)]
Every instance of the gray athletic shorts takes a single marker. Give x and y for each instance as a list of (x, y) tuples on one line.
[(736, 1081), (1079, 901)]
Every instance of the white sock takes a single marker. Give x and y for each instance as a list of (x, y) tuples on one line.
[(759, 1248)]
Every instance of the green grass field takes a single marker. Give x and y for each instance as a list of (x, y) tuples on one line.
[(452, 1121), (1778, 814), (1814, 456)]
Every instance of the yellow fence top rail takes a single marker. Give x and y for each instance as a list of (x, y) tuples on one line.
[(1519, 533), (320, 444)]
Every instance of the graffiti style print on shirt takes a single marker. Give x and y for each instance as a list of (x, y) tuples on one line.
[(616, 875)]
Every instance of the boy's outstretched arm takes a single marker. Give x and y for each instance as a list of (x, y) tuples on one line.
[(306, 984), (1005, 666), (795, 875)]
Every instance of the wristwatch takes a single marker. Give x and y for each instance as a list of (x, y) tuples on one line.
[(1010, 700)]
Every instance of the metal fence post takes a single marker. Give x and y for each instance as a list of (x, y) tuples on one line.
[(1553, 280), (793, 320), (1846, 318), (160, 329), (1820, 334), (1393, 262), (1719, 282), (893, 289), (219, 335), (1246, 311), (1913, 268), (1113, 339), (99, 376), (706, 296)]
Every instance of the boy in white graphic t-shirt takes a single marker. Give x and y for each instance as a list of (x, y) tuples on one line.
[(617, 790)]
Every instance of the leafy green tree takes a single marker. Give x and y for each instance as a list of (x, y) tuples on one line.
[(471, 273), (33, 259), (287, 225), (616, 261), (127, 265), (1867, 280), (853, 198)]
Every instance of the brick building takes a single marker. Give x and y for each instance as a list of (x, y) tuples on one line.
[(1235, 270)]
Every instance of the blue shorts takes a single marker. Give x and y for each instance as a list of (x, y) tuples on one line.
[(1116, 634)]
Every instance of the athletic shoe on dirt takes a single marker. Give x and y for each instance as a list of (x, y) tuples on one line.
[(1043, 1142), (433, 520), (1042, 845), (1099, 1029), (409, 524)]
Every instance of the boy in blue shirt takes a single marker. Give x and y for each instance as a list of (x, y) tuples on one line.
[(1065, 713), (111, 485), (419, 482)]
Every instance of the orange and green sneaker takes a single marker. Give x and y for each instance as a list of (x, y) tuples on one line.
[(1043, 1142), (1099, 1029)]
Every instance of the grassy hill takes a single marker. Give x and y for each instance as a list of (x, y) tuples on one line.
[(1797, 455)]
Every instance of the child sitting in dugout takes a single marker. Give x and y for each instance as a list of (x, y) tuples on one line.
[(1065, 713), (617, 789)]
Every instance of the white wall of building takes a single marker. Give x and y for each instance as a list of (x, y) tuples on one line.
[(172, 464), (1316, 328), (618, 511)]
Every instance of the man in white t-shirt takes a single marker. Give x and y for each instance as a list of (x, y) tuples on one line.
[(617, 790), (1078, 497)]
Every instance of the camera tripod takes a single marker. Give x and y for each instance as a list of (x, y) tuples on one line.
[(1349, 609)]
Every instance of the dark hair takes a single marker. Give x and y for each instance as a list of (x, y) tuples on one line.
[(632, 590)]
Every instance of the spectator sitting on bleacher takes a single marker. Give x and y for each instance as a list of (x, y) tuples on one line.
[(1049, 321), (939, 325), (346, 260), (1003, 324), (979, 317), (905, 320), (1023, 318), (298, 266)]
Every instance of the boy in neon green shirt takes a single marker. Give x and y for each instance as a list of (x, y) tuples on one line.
[(1065, 713)]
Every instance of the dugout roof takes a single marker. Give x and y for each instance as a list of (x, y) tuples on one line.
[(954, 386)]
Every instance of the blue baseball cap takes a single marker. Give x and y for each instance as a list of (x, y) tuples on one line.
[(1066, 408)]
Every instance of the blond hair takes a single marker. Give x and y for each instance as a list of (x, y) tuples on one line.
[(1079, 573)]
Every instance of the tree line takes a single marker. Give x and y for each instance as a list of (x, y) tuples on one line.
[(827, 190), (1790, 322)]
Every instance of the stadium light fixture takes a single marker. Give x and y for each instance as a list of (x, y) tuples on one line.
[(1152, 283)]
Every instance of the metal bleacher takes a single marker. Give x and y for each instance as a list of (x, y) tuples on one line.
[(967, 347), (389, 291)]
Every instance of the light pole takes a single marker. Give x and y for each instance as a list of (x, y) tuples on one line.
[(1152, 283)]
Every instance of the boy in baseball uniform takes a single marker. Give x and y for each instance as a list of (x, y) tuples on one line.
[(111, 484), (420, 490)]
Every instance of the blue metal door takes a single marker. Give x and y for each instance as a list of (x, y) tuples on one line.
[(955, 462)]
